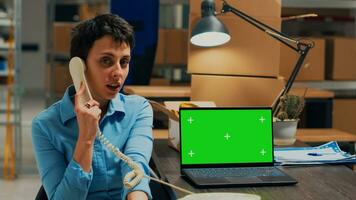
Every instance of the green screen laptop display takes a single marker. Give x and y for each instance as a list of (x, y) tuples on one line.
[(226, 135)]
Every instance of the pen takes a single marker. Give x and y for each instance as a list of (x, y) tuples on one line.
[(318, 154)]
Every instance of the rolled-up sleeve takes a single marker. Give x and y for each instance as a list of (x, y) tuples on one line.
[(139, 147), (61, 180)]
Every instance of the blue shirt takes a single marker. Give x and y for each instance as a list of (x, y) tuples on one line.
[(127, 124)]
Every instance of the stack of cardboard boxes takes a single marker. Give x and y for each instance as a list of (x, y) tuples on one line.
[(340, 55), (341, 66), (243, 72), (332, 58)]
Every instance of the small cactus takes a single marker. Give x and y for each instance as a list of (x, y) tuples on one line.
[(291, 106)]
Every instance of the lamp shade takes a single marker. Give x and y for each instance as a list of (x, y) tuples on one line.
[(209, 32)]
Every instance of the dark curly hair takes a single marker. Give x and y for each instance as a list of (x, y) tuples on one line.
[(87, 32)]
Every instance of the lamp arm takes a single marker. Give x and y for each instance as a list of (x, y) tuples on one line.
[(281, 37), (302, 54), (301, 48)]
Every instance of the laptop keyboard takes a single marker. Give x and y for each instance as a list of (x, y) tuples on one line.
[(235, 172)]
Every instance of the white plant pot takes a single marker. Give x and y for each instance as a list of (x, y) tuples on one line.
[(284, 132)]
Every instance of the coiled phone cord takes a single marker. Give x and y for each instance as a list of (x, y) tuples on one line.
[(136, 175)]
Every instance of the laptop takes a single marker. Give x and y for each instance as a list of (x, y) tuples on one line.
[(223, 147)]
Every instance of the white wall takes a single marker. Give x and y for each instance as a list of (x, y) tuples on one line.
[(34, 22)]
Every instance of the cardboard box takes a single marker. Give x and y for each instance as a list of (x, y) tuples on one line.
[(88, 11), (250, 51), (160, 52), (173, 126), (159, 81), (235, 90), (344, 115), (340, 58), (176, 46), (62, 37), (264, 8), (62, 78), (313, 68), (172, 47)]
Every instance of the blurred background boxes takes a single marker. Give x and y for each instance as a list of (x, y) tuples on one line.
[(176, 45), (62, 79), (344, 114), (159, 81), (61, 45), (250, 51), (341, 58), (87, 11), (62, 36), (160, 51), (172, 47), (269, 8), (313, 68), (235, 90)]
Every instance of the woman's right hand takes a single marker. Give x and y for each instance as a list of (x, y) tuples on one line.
[(88, 116)]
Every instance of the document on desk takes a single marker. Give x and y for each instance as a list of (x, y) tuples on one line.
[(328, 153)]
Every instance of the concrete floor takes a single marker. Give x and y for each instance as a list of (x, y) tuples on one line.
[(27, 182)]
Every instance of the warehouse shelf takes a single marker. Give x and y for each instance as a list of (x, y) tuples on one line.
[(340, 4), (342, 89), (328, 84)]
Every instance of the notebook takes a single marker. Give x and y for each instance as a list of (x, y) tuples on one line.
[(229, 147)]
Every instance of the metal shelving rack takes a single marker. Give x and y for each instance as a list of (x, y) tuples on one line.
[(10, 109)]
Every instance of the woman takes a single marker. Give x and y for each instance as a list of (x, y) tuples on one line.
[(72, 162)]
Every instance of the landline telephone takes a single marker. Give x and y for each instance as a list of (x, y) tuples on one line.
[(77, 71)]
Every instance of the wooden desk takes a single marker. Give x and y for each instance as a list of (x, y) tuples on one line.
[(159, 91), (184, 91), (317, 182), (304, 135), (324, 135)]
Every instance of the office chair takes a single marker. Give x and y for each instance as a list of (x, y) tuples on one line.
[(41, 195)]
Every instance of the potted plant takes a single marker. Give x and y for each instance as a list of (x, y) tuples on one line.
[(286, 120)]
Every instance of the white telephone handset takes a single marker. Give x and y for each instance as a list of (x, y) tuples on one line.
[(77, 69)]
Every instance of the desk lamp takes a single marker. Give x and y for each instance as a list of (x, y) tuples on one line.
[(210, 31)]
